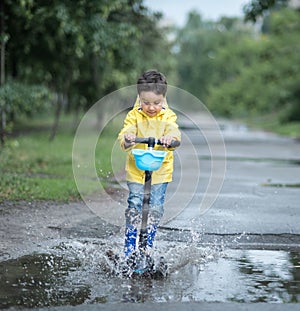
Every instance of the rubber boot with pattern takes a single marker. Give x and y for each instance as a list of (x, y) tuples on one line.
[(130, 240), (151, 235)]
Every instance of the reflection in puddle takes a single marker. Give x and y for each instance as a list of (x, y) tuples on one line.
[(255, 276), (78, 272), (271, 275), (40, 280)]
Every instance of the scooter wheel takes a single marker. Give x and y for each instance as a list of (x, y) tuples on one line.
[(161, 270)]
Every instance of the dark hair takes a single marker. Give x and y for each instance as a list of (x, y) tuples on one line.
[(152, 81)]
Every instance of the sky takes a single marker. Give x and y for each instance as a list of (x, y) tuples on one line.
[(177, 10)]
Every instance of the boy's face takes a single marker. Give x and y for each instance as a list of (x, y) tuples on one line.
[(151, 103)]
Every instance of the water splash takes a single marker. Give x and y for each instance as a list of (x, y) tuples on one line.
[(81, 271)]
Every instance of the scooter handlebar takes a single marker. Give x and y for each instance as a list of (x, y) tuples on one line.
[(142, 140), (153, 141)]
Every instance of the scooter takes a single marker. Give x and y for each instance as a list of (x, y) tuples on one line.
[(141, 264)]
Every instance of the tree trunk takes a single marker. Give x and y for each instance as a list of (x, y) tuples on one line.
[(2, 126), (97, 83), (2, 73), (59, 106)]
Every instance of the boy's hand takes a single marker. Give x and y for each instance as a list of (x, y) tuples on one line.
[(129, 140), (166, 140)]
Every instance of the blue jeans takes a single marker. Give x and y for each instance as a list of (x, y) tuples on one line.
[(133, 213)]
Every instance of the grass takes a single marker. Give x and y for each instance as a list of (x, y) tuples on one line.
[(290, 129), (32, 168), (271, 123)]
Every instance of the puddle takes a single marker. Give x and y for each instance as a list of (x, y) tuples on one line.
[(40, 280), (77, 272), (254, 276)]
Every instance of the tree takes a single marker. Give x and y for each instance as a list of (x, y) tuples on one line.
[(266, 79), (199, 62), (3, 39), (257, 8), (195, 44), (82, 49)]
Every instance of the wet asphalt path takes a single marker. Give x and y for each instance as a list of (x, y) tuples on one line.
[(260, 197)]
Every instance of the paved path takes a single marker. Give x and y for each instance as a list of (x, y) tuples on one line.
[(261, 190)]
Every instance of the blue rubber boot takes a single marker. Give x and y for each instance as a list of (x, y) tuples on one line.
[(130, 240), (151, 235)]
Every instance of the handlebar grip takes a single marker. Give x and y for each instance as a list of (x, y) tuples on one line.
[(174, 143)]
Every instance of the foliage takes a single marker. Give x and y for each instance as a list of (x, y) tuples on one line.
[(239, 71), (81, 50), (266, 79), (199, 44), (20, 99), (257, 8), (82, 47), (195, 48)]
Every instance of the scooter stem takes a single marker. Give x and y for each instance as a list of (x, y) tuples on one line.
[(145, 211)]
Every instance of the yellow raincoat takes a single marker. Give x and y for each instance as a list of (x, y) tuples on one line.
[(140, 124)]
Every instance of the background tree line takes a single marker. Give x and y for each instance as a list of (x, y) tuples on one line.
[(62, 56), (243, 69)]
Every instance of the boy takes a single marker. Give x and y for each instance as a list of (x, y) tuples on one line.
[(150, 117)]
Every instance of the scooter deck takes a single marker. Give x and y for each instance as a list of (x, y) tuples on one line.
[(149, 274), (133, 269), (159, 272), (143, 266)]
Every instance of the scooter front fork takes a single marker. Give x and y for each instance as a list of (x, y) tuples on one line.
[(146, 238)]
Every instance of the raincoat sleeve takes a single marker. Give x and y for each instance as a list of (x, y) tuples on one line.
[(172, 128), (129, 127)]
